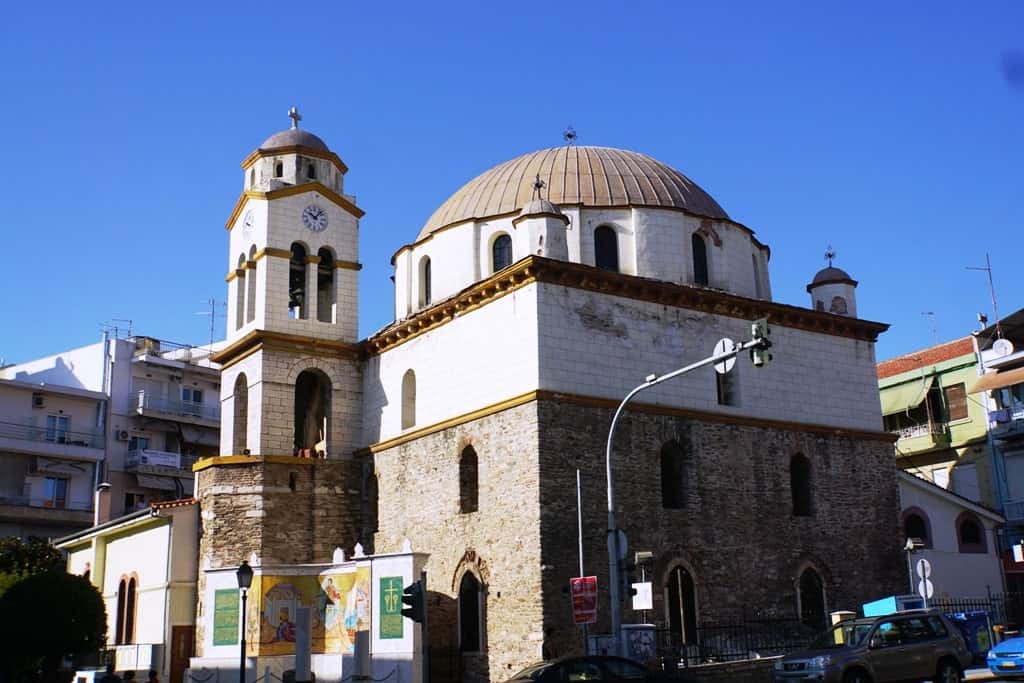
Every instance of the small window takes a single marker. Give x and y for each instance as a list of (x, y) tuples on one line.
[(673, 476), (190, 395), (970, 534), (57, 428), (425, 293), (725, 382), (800, 485), (252, 177), (297, 282), (55, 493), (278, 169), (838, 306), (408, 399), (469, 492), (138, 443), (700, 260), (311, 171), (914, 526), (956, 402), (606, 249), (501, 252)]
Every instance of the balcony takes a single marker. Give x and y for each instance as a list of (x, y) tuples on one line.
[(25, 508), (1007, 421), (922, 437), (151, 460), (25, 437), (180, 411)]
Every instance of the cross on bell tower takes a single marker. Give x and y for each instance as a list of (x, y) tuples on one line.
[(295, 116)]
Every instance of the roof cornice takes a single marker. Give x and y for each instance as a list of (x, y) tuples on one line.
[(328, 193), (258, 340), (295, 149), (539, 269)]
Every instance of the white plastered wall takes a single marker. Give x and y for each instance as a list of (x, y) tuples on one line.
[(144, 554)]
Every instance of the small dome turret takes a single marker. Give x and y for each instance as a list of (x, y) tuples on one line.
[(833, 290)]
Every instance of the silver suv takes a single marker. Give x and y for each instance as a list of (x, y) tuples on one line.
[(907, 646)]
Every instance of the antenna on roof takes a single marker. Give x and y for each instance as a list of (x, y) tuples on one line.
[(569, 136), (992, 292), (213, 317), (931, 314)]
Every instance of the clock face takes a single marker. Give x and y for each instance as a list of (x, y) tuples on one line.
[(314, 217), (248, 222)]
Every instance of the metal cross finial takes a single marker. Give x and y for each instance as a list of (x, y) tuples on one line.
[(569, 135), (830, 254), (295, 116), (538, 185)]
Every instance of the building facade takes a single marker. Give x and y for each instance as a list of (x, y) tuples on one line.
[(528, 305)]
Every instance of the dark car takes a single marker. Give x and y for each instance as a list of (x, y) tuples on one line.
[(906, 646), (594, 668)]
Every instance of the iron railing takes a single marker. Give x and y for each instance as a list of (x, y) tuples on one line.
[(148, 402), (1006, 609), (731, 641), (26, 431), (47, 503), (154, 458)]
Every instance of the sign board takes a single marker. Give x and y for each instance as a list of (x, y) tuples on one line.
[(643, 598), (1018, 552), (724, 346), (923, 568), (226, 607), (584, 599), (925, 588), (391, 607)]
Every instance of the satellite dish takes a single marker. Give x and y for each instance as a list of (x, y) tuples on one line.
[(1002, 347)]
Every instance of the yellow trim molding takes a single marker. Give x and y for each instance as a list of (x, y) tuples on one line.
[(609, 404), (294, 149), (258, 340), (539, 269), (348, 265), (313, 259), (224, 460), (326, 192)]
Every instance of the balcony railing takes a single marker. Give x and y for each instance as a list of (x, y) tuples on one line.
[(26, 431), (925, 429), (47, 503), (154, 458), (167, 406), (1007, 420)]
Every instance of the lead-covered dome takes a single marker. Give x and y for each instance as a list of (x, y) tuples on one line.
[(587, 176), (294, 137)]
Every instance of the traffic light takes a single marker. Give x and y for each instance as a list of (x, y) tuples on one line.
[(412, 596), (761, 333), (627, 574)]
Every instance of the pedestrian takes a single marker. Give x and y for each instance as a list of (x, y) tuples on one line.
[(110, 676), (152, 677)]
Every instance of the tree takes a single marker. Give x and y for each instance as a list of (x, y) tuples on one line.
[(48, 617), (34, 556)]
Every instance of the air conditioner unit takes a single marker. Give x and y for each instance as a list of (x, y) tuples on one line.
[(38, 401), (122, 434)]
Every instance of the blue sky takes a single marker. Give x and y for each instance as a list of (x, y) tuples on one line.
[(887, 131)]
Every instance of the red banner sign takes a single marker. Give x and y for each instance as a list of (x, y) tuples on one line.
[(584, 599)]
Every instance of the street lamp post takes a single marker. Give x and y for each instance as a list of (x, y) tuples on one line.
[(244, 575), (759, 343)]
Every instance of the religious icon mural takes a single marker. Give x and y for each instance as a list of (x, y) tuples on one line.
[(340, 604)]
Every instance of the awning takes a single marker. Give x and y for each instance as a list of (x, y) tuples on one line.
[(149, 481), (903, 397), (997, 380)]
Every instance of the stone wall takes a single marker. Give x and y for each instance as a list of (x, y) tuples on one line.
[(286, 510), (736, 534)]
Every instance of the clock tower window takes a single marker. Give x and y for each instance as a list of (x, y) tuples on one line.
[(297, 282), (240, 293), (278, 169), (311, 171), (325, 287)]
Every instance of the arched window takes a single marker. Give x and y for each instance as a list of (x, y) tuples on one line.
[(125, 621), (811, 595), (408, 399), (297, 282), (469, 493), (915, 525), (250, 282), (312, 406), (240, 292), (278, 169), (838, 306), (501, 253), (425, 281), (970, 533), (673, 475), (326, 304), (252, 177), (682, 606), (311, 171), (240, 424), (800, 485), (470, 613), (726, 386), (606, 248), (700, 259)]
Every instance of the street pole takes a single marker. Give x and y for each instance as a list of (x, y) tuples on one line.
[(241, 657), (614, 550), (579, 537)]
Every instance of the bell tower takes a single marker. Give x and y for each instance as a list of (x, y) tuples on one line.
[(285, 486)]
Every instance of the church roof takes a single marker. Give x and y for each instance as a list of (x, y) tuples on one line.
[(572, 175), (830, 274), (294, 137)]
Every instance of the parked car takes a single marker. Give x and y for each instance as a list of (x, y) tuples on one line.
[(906, 646), (1006, 659), (594, 668)]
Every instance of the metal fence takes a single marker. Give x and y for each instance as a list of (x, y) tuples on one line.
[(746, 638), (1006, 609)]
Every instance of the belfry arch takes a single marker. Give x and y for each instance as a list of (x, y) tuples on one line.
[(312, 410)]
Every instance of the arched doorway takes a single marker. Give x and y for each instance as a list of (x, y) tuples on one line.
[(812, 599), (682, 605), (312, 406)]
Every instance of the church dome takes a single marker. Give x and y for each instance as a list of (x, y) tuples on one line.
[(587, 176), (294, 137), (829, 275), (539, 207)]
